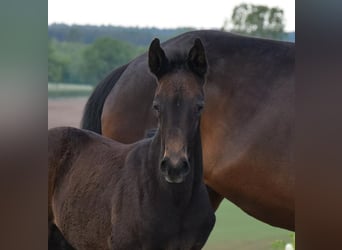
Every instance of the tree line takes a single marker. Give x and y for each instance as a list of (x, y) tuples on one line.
[(74, 62), (87, 53), (87, 34)]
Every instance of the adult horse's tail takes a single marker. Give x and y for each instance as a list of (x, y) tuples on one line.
[(91, 119)]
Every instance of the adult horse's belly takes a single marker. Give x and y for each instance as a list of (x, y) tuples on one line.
[(252, 180)]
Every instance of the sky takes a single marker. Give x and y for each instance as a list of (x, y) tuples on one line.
[(200, 14)]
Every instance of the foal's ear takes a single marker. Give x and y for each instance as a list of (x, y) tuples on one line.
[(196, 59), (157, 60)]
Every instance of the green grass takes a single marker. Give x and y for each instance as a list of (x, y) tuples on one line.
[(58, 90), (236, 230)]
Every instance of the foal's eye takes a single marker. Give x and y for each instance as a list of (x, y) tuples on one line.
[(199, 107), (156, 106)]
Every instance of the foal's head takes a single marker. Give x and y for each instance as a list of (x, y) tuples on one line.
[(178, 102)]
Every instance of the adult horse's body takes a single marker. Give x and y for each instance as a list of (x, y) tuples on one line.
[(246, 126), (145, 195)]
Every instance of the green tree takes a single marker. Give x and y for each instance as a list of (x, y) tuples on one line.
[(257, 20), (104, 55), (56, 64), (74, 34), (72, 54)]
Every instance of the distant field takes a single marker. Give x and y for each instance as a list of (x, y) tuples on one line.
[(57, 90)]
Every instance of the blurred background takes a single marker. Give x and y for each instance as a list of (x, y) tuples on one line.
[(87, 39)]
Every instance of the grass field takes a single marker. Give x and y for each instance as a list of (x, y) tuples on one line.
[(236, 230), (57, 90)]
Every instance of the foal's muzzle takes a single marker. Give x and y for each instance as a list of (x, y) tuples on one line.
[(174, 172)]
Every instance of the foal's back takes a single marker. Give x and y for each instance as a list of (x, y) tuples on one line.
[(82, 167)]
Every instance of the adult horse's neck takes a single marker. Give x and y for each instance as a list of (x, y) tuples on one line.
[(180, 193)]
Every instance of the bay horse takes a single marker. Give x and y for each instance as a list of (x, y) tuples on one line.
[(146, 195), (247, 124)]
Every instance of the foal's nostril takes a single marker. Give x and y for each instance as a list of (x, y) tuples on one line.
[(184, 168), (174, 173), (163, 165)]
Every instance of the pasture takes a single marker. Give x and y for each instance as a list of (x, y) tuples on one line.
[(57, 90), (233, 230)]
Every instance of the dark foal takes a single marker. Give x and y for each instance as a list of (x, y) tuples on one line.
[(145, 195)]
